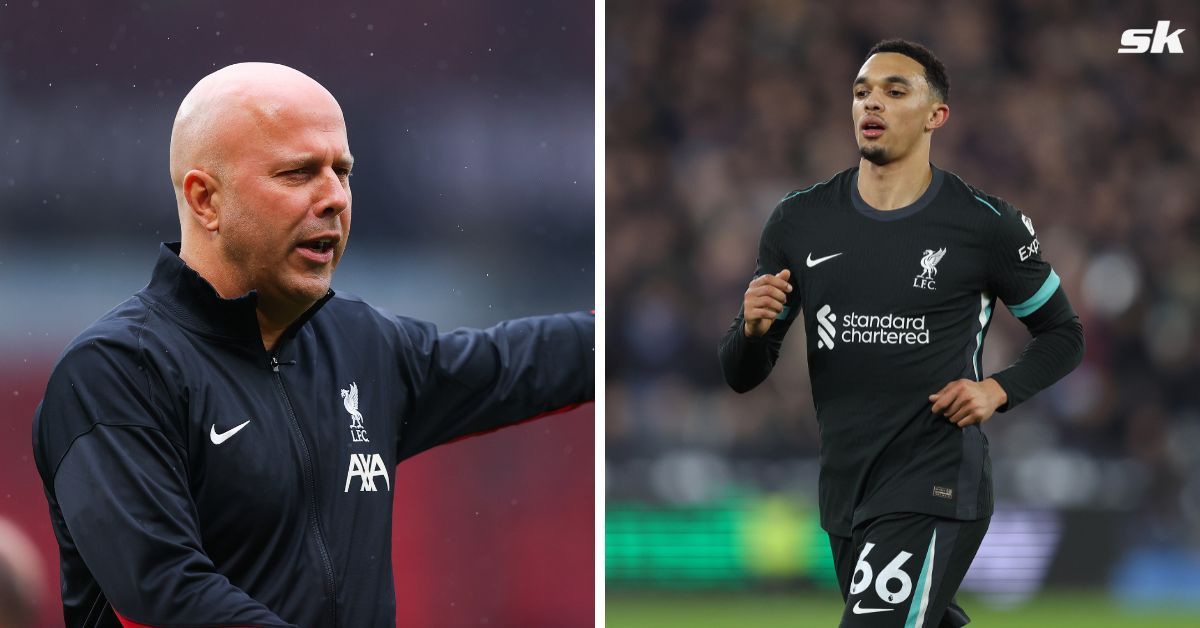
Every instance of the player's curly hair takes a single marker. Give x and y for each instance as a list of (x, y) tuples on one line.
[(935, 72)]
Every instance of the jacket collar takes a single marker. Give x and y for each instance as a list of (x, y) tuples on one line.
[(192, 301)]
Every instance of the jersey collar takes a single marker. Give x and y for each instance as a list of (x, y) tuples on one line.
[(931, 192), (192, 301)]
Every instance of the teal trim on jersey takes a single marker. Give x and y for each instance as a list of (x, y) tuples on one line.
[(808, 189), (1038, 299), (986, 305), (783, 314), (916, 610), (988, 204)]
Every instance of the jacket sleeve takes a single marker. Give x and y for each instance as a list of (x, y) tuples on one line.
[(117, 473), (1032, 291), (473, 380), (746, 362)]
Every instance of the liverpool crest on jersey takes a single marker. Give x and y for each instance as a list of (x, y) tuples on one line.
[(929, 261), (358, 433)]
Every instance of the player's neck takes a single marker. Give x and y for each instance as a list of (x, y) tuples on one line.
[(275, 314), (273, 323), (896, 184)]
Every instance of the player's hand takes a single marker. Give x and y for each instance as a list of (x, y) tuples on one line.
[(965, 402), (764, 300)]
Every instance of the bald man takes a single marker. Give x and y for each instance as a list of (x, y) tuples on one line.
[(219, 449)]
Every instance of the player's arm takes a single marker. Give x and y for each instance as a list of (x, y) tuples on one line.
[(120, 483), (1033, 293), (1055, 349), (750, 348), (476, 380)]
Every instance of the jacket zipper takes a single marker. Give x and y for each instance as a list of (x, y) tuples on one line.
[(314, 516)]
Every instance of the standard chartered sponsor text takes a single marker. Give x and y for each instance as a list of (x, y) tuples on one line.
[(887, 329)]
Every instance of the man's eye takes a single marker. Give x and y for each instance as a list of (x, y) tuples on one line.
[(897, 93), (860, 94)]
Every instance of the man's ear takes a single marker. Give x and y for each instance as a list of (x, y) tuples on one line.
[(938, 117), (202, 193)]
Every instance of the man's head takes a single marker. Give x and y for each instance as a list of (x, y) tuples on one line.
[(900, 97), (261, 163)]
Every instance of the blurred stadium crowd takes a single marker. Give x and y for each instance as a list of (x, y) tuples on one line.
[(716, 110)]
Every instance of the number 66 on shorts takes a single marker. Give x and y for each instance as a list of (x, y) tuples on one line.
[(901, 570)]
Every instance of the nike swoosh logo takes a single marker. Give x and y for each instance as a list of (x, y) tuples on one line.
[(813, 262), (858, 610), (217, 439)]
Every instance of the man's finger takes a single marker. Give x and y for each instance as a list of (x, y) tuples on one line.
[(969, 418), (775, 305), (761, 314), (785, 275), (776, 282), (944, 399), (945, 389), (767, 290), (962, 403), (961, 417)]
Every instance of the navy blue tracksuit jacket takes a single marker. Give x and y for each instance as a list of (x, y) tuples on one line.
[(196, 479)]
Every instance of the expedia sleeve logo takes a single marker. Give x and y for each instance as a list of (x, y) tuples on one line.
[(1031, 249), (869, 329)]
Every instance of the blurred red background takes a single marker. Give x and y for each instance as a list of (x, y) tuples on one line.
[(492, 530)]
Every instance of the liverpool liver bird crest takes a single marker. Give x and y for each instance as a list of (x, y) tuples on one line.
[(929, 262), (350, 400)]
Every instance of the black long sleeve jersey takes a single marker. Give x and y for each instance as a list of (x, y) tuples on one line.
[(896, 304), (196, 479)]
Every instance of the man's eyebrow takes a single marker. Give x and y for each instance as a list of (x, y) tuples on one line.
[(308, 161), (895, 78)]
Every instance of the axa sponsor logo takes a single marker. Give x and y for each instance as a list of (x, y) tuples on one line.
[(929, 262), (367, 467), (869, 329), (1155, 41)]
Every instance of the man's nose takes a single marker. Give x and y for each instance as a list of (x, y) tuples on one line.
[(335, 195), (872, 102)]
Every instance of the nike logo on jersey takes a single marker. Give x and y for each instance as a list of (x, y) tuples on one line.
[(813, 262), (859, 610), (217, 439)]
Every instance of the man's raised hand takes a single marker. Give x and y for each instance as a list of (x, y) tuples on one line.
[(765, 299)]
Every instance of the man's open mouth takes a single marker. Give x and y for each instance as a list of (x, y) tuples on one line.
[(872, 128), (320, 246)]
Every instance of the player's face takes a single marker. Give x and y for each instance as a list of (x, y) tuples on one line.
[(285, 220), (893, 107)]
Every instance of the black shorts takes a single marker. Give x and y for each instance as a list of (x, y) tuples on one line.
[(902, 570)]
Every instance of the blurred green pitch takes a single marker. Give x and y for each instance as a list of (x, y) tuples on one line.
[(809, 610)]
